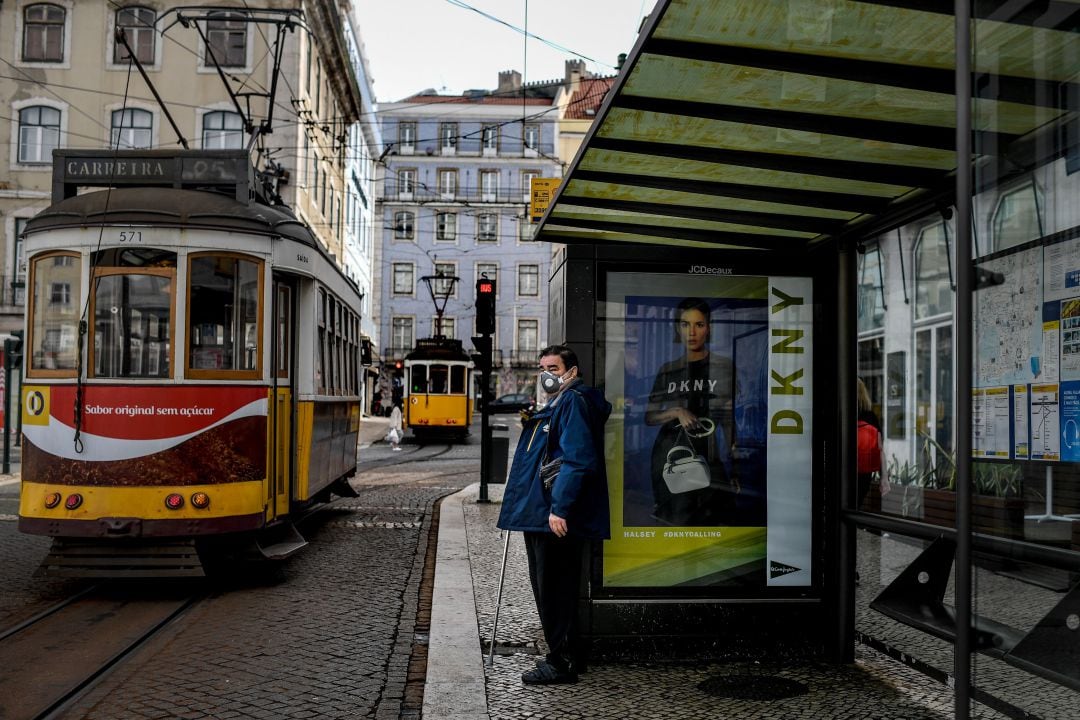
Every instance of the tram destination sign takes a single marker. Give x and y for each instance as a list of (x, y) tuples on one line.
[(73, 169), (119, 169)]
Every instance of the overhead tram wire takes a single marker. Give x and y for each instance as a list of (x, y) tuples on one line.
[(82, 112), (525, 31)]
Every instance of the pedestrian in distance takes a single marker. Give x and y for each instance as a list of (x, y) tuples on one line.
[(871, 464), (556, 494), (396, 431)]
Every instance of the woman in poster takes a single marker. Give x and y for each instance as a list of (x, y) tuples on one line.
[(691, 399)]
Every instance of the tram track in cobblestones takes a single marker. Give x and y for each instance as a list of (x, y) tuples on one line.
[(405, 458), (53, 658)]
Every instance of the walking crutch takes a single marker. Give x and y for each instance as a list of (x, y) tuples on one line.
[(498, 602)]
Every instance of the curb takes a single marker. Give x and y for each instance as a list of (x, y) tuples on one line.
[(455, 688)]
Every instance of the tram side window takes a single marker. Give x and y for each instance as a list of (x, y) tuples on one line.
[(54, 318), (320, 346), (418, 379), (224, 316), (132, 313), (457, 379)]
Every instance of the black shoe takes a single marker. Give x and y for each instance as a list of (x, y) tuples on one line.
[(547, 674)]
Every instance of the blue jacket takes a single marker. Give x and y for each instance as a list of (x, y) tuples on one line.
[(573, 424)]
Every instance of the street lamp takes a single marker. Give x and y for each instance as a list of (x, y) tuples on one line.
[(441, 287)]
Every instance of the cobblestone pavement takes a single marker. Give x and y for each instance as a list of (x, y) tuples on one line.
[(326, 635), (875, 687)]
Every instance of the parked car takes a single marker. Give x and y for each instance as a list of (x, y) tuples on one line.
[(514, 402)]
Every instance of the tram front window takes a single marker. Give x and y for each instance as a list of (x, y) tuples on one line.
[(54, 318), (438, 379), (132, 324), (457, 379), (223, 326), (418, 379)]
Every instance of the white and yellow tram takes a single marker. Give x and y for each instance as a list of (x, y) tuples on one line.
[(192, 359)]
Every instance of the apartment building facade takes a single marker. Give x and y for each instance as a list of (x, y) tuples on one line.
[(68, 89), (454, 201)]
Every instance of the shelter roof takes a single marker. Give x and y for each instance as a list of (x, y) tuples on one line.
[(777, 125)]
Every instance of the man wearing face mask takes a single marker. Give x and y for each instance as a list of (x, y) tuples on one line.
[(559, 521)]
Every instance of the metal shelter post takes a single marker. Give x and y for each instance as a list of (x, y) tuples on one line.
[(963, 329), (847, 416)]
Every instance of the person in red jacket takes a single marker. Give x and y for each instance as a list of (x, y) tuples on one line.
[(559, 518)]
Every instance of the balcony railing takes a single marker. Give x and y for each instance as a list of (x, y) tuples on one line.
[(524, 358), (515, 196)]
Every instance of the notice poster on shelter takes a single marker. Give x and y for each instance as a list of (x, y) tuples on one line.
[(1021, 439), (1070, 421), (991, 420), (709, 453), (1045, 423)]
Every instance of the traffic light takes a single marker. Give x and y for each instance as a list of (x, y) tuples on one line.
[(482, 357), (485, 306)]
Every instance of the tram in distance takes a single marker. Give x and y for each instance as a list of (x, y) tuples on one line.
[(191, 366), (437, 394)]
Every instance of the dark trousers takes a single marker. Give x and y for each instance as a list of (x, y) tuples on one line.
[(555, 573)]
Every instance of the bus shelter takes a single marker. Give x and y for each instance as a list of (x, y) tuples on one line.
[(832, 192)]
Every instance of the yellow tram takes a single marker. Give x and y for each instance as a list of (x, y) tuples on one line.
[(438, 389), (192, 364)]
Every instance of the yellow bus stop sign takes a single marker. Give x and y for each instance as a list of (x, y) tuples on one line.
[(542, 190)]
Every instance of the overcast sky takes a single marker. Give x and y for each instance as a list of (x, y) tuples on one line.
[(417, 44)]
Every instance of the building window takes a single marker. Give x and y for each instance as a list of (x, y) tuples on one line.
[(401, 335), (131, 129), (491, 139), (446, 226), (403, 278), (407, 134), (487, 227), (448, 135), (403, 225), (532, 137), (447, 327), (445, 284), (528, 339), (43, 33), (871, 298), (39, 134), (526, 230), (933, 287), (222, 131), (448, 183), (18, 268), (1017, 218), (226, 35), (406, 182), (528, 280), (138, 25), (489, 271), (489, 185), (526, 182)]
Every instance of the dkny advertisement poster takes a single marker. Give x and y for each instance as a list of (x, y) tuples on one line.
[(692, 366)]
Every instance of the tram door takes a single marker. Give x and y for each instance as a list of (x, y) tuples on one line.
[(282, 357)]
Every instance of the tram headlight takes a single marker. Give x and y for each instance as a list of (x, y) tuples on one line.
[(174, 501), (53, 499), (73, 501), (200, 500)]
